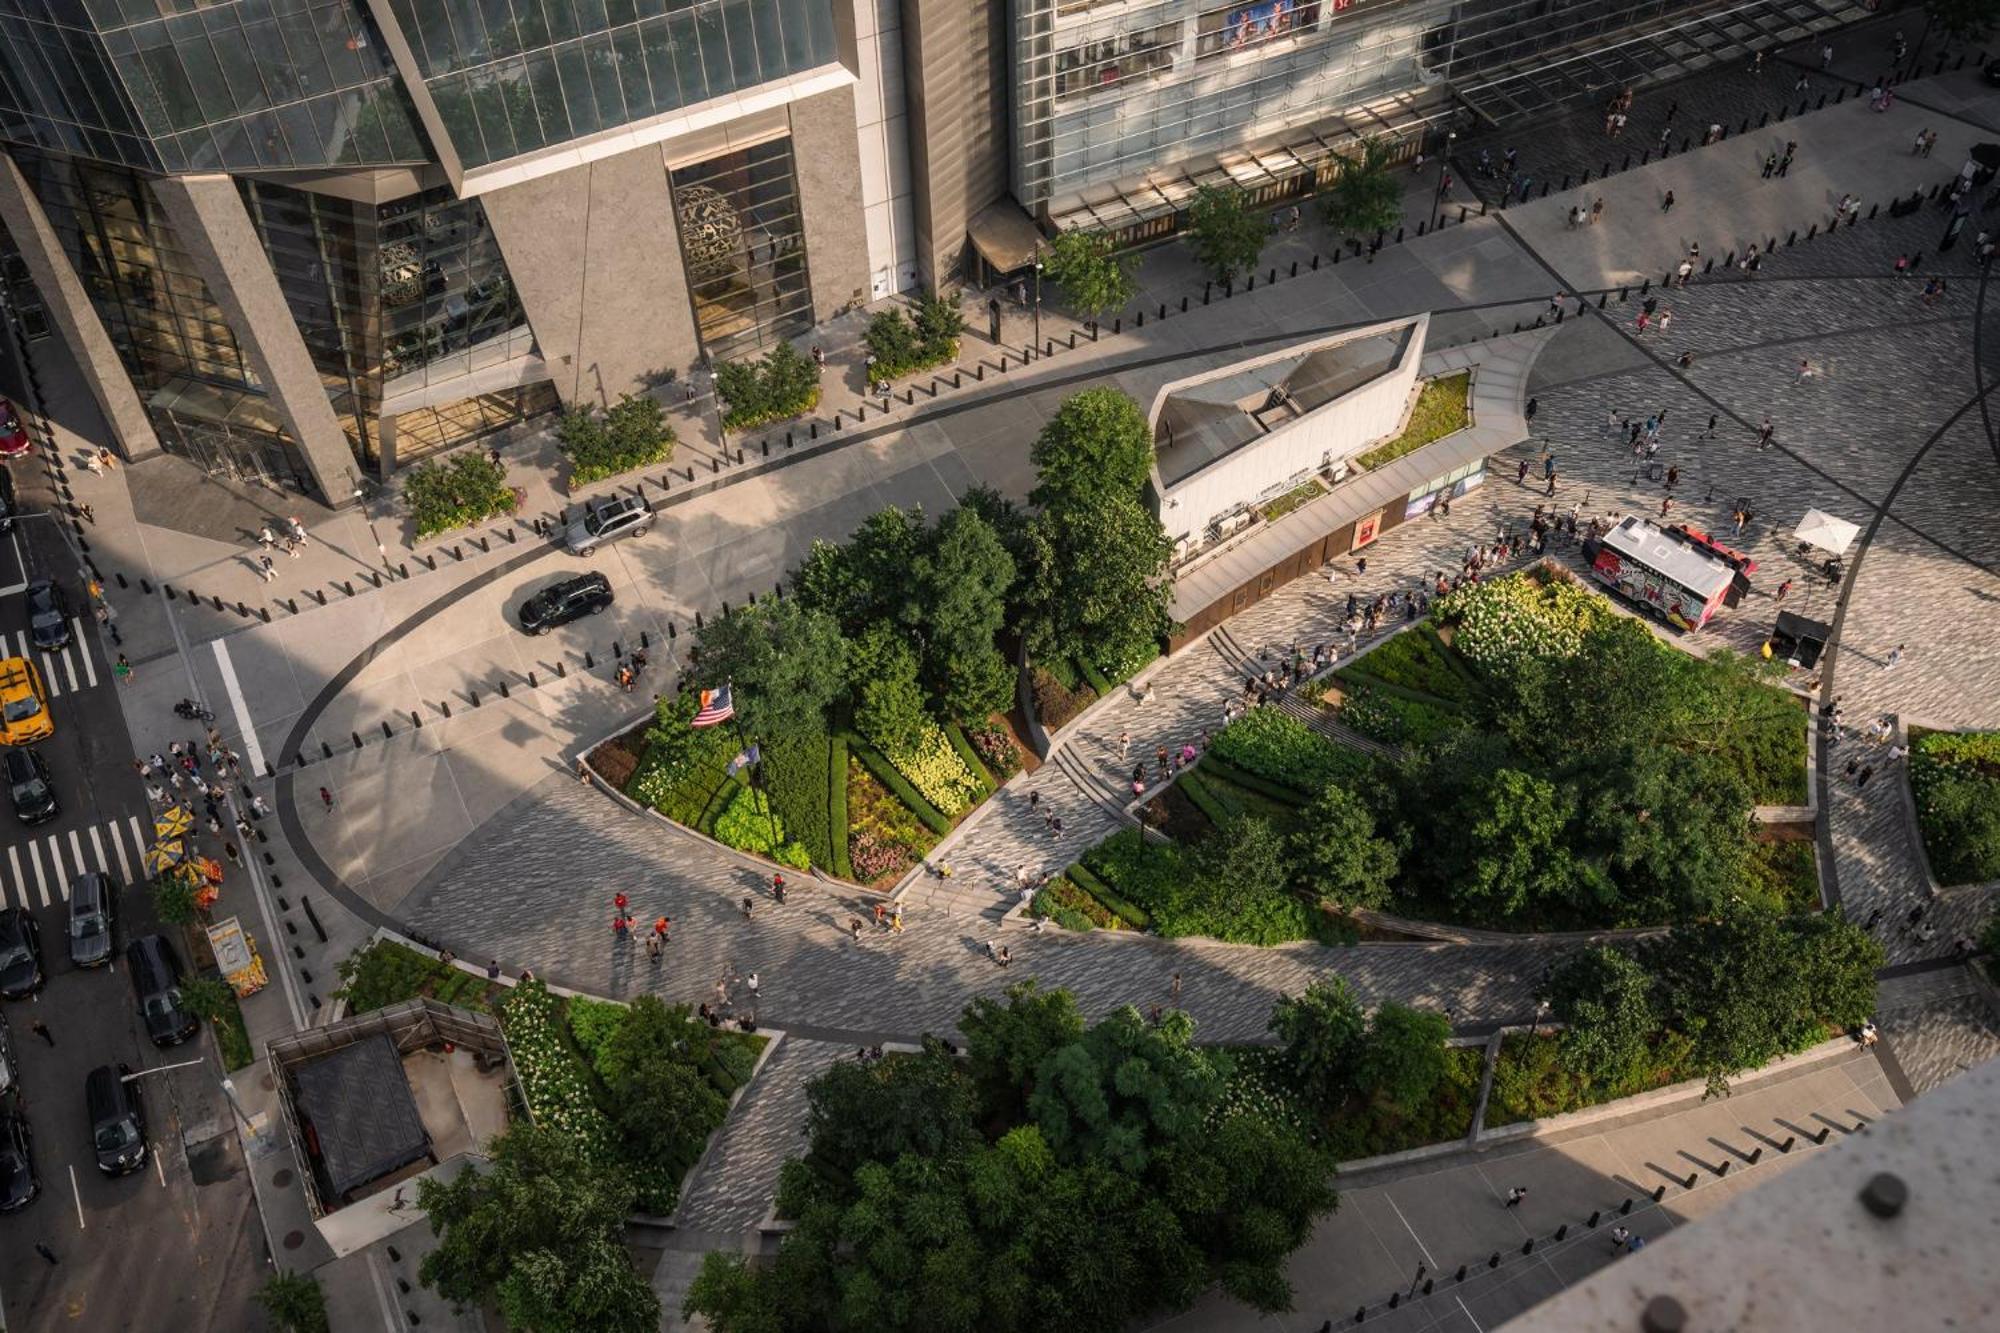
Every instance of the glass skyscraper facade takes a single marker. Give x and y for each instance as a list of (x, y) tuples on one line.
[(743, 243), (513, 76)]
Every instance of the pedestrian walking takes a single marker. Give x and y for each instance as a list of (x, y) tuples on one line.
[(1764, 433), (1596, 210), (267, 569), (89, 514), (1673, 476), (653, 948), (1784, 589), (1528, 412), (1667, 203), (1826, 56), (122, 669), (663, 929), (1867, 772), (1770, 165), (1124, 744), (1174, 988), (1666, 505), (896, 920), (882, 915), (1521, 473), (1515, 1195), (266, 538), (41, 1029), (1895, 656), (1619, 1235), (1784, 165), (326, 799), (752, 982), (258, 809)]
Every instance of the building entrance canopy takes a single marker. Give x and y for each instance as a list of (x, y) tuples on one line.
[(1005, 236)]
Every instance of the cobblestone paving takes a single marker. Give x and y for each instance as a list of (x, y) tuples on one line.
[(1729, 96), (735, 1184), (1938, 1025)]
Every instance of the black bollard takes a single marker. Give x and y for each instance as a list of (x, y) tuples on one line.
[(1562, 1231), (1592, 1223), (1528, 1245), (1494, 1261), (1625, 1208), (1460, 1275)]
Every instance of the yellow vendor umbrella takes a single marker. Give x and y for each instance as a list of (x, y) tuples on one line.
[(164, 856), (173, 821)]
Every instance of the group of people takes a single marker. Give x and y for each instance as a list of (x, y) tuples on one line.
[(292, 538), (624, 924), (629, 669)]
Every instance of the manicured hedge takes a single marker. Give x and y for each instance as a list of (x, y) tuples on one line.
[(973, 763), (1420, 663), (796, 773), (885, 773), (1204, 800), (1281, 749), (1228, 772), (1133, 916), (1095, 677), (836, 804)]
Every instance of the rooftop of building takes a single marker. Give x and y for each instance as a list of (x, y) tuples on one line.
[(1200, 421)]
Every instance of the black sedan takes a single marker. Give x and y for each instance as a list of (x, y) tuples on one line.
[(28, 788), (21, 972), (18, 1183), (48, 615), (560, 603)]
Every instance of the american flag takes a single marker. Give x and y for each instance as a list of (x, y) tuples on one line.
[(745, 759), (716, 707)]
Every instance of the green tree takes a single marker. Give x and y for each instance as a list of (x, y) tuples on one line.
[(1240, 888), (1225, 235), (1604, 996), (1337, 853), (962, 583), (892, 341), (1096, 445), (1963, 20), (877, 1111), (539, 1233), (1322, 1031), (295, 1302), (1403, 1059), (1365, 197), (1094, 277), (1838, 962), (880, 554), (1006, 1043), (671, 738), (663, 1107), (1097, 579), (786, 664), (1514, 844), (174, 896), (939, 323), (1670, 832), (882, 680), (1122, 1090), (633, 433)]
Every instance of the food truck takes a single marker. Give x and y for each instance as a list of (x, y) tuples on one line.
[(1682, 581)]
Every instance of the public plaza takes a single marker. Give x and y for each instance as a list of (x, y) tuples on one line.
[(382, 669)]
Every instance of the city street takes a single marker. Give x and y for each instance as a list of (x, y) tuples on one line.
[(177, 1244)]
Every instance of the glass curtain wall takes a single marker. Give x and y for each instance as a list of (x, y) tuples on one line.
[(23, 297), (744, 249), (512, 76), (1108, 93), (218, 85), (411, 292)]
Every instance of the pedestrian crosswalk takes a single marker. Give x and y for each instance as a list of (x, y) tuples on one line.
[(63, 672), (38, 870)]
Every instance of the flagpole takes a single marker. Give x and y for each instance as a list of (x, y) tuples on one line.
[(770, 817)]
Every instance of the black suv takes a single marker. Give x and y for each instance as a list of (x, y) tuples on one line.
[(48, 615), (28, 786), (90, 907), (608, 519), (560, 603), (117, 1120), (21, 972), (156, 984), (18, 1185), (7, 502)]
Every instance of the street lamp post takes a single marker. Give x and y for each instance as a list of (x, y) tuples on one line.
[(1444, 177)]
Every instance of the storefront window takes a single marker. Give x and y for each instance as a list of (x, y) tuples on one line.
[(744, 249), (431, 430), (1116, 58), (1242, 25)]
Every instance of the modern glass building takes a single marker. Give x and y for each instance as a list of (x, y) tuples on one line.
[(1124, 107), (301, 242)]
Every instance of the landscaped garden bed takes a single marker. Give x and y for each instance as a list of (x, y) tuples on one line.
[(1443, 408), (384, 972), (639, 1087), (1955, 780)]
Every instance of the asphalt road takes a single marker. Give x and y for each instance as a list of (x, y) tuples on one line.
[(177, 1245)]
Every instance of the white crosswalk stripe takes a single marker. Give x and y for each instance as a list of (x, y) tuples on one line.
[(83, 651), (28, 884), (58, 669)]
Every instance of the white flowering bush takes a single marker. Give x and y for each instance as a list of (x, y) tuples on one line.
[(553, 1079), (1256, 1086), (936, 771), (1501, 623)]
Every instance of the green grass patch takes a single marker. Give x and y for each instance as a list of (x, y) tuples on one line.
[(232, 1038), (1955, 778), (1442, 408), (1418, 661), (1220, 771), (1291, 500), (1388, 714), (1281, 749), (1237, 799)]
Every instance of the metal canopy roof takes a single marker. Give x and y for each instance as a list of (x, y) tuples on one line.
[(361, 1113)]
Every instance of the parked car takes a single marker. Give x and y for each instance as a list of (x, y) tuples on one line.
[(607, 520), (10, 1075), (156, 984), (28, 788), (48, 615), (21, 972), (7, 502), (560, 603), (91, 896), (18, 1184), (13, 435), (117, 1120)]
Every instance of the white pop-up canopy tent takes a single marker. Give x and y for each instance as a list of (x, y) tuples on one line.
[(1829, 534)]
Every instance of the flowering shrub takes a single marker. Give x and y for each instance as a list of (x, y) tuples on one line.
[(553, 1080), (1955, 777), (996, 749), (1257, 1086), (936, 771), (884, 838), (1503, 622), (1392, 720)]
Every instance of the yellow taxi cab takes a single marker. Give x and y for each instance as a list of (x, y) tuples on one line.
[(24, 704)]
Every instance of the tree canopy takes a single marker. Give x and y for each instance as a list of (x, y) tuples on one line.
[(786, 662), (1223, 231), (1094, 277), (1096, 445), (1366, 197)]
